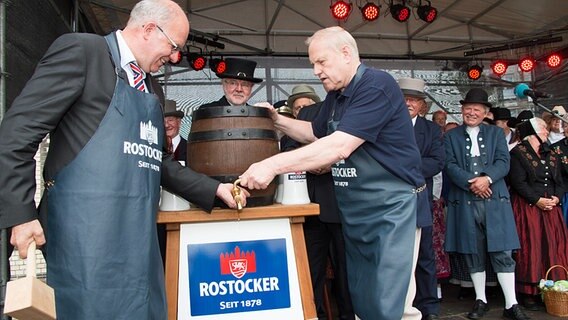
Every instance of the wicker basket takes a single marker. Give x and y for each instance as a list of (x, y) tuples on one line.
[(556, 301)]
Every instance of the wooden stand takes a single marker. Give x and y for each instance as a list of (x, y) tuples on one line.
[(296, 213)]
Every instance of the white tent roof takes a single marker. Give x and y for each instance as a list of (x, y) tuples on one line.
[(280, 27)]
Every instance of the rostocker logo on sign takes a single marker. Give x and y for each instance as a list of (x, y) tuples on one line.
[(238, 263)]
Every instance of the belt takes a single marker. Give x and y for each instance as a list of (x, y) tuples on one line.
[(419, 189)]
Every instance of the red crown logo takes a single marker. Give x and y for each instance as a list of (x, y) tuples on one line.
[(237, 263)]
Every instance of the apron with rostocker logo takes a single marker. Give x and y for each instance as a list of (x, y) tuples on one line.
[(102, 252), (379, 234)]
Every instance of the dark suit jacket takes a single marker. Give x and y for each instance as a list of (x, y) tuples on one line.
[(429, 140), (500, 227), (67, 97), (219, 103), (320, 187), (180, 154)]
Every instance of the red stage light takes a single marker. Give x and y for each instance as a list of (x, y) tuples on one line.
[(217, 65), (400, 12), (427, 13), (474, 72), (527, 64), (340, 10), (196, 61), (499, 67), (370, 11), (554, 60)]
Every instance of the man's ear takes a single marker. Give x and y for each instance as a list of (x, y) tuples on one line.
[(346, 53), (148, 28)]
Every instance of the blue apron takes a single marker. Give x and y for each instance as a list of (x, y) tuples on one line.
[(102, 252), (378, 212)]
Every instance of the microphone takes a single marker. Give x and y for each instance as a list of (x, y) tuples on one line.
[(523, 90)]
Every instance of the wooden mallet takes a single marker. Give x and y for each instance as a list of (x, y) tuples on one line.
[(30, 298)]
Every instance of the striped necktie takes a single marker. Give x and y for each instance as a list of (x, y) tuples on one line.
[(138, 80)]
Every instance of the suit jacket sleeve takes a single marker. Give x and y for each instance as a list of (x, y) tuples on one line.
[(433, 159), (57, 82), (192, 186)]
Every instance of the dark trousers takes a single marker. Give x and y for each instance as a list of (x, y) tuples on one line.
[(502, 261), (323, 240), (5, 264), (426, 299)]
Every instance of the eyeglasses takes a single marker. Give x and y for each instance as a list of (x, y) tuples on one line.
[(234, 83), (175, 47)]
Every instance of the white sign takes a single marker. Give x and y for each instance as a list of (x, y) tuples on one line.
[(238, 270)]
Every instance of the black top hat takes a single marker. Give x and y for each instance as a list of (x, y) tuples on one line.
[(525, 129), (170, 109), (522, 117), (477, 95), (501, 114), (241, 69)]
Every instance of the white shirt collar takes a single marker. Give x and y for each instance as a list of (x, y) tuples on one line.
[(175, 142), (126, 55), (414, 120)]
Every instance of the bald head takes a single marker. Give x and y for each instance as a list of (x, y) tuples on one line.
[(155, 32)]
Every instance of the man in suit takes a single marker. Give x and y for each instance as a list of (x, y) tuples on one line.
[(429, 141), (172, 121), (93, 95), (323, 234), (501, 116), (237, 80), (302, 96), (440, 117), (480, 219)]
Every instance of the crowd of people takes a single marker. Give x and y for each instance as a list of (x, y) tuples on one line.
[(423, 201), (531, 222)]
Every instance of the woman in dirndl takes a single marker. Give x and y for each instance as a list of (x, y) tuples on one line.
[(561, 149), (536, 183)]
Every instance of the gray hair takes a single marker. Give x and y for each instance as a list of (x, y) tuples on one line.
[(160, 11), (336, 37)]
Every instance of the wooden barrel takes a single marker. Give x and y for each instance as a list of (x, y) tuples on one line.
[(225, 141)]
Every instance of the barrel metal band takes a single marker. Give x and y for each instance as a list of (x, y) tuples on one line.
[(233, 134), (229, 111)]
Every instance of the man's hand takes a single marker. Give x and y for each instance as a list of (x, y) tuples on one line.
[(481, 187), (258, 176), (224, 193), (23, 234), (273, 112)]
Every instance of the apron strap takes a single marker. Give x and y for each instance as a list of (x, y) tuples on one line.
[(358, 75), (112, 43)]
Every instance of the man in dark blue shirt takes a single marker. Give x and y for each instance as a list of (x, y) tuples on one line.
[(364, 131)]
